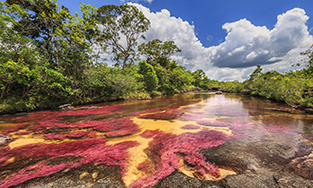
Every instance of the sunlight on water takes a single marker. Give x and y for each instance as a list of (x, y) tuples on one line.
[(148, 140)]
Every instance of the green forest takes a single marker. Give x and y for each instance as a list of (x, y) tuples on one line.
[(49, 56)]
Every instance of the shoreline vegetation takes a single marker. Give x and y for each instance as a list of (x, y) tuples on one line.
[(50, 57)]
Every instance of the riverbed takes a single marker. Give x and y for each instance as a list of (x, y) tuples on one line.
[(186, 140)]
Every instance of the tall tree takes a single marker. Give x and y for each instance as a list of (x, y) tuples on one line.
[(158, 52), (121, 27), (41, 24), (309, 57)]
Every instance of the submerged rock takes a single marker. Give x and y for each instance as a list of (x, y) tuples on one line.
[(4, 139), (302, 166), (66, 107), (87, 108), (219, 92)]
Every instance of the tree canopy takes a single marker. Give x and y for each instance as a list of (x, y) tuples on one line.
[(158, 52), (120, 28)]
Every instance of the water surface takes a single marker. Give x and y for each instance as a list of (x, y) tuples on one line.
[(147, 140)]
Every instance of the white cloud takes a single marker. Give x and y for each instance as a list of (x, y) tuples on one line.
[(125, 1), (244, 47)]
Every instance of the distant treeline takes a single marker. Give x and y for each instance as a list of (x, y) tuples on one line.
[(294, 88)]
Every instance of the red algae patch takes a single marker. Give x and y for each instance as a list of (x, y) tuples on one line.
[(33, 171), (191, 127), (147, 167), (74, 135), (86, 151), (22, 133), (150, 133), (163, 151), (191, 117), (161, 116)]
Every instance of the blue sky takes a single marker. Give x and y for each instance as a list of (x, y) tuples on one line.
[(227, 38)]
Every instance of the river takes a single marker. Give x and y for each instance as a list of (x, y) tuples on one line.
[(186, 140)]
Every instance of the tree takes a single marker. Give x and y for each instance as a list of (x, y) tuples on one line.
[(150, 77), (200, 79), (41, 24), (158, 52), (120, 28), (256, 73), (309, 57)]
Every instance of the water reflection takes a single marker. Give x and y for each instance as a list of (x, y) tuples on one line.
[(148, 140)]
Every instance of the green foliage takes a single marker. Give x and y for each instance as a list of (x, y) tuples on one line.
[(157, 52), (308, 60), (201, 81), (149, 76), (173, 80), (121, 22), (284, 87)]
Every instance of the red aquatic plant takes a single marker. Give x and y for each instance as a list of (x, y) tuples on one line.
[(33, 171), (161, 116), (114, 127), (164, 149), (213, 123), (50, 150), (79, 134), (192, 117), (82, 134), (48, 115), (103, 110), (150, 133), (190, 126), (147, 167), (51, 123), (115, 124), (146, 111), (52, 136), (87, 151), (123, 132), (22, 133), (14, 128)]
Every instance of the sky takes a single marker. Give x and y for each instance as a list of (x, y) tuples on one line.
[(227, 38)]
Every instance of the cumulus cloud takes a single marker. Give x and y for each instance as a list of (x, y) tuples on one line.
[(244, 47), (168, 28), (125, 1), (260, 45)]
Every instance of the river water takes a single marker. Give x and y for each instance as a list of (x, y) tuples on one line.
[(149, 140)]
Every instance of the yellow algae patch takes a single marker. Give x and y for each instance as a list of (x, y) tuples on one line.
[(11, 160), (23, 142), (137, 156), (223, 173), (173, 127)]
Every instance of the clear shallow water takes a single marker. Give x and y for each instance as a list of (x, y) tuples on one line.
[(148, 140)]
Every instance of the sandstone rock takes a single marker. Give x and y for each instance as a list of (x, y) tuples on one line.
[(66, 107), (87, 108), (302, 166), (4, 139), (219, 92)]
